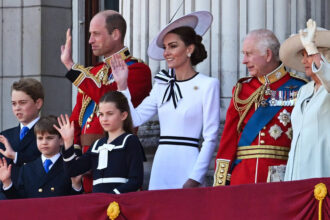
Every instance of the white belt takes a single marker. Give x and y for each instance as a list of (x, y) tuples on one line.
[(110, 180)]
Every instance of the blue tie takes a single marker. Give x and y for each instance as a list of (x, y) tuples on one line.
[(47, 164), (23, 132)]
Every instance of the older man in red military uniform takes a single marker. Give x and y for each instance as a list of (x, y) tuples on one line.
[(257, 132), (107, 33)]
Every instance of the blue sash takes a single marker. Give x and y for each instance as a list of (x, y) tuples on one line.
[(88, 112), (263, 115), (90, 107)]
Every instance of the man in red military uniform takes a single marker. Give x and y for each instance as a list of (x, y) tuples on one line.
[(257, 132), (107, 33)]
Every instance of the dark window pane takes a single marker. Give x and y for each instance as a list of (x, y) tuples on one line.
[(111, 4)]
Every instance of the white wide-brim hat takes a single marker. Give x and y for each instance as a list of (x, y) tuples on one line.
[(290, 50), (200, 21)]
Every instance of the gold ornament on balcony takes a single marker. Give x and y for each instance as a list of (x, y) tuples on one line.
[(113, 210)]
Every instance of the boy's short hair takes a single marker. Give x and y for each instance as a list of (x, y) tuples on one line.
[(31, 87), (46, 124)]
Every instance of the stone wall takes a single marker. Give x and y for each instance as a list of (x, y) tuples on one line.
[(32, 32)]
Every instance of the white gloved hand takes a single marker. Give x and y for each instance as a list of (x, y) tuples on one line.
[(308, 39)]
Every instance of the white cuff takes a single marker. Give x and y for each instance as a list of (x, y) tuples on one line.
[(77, 190), (70, 158), (15, 158), (8, 187)]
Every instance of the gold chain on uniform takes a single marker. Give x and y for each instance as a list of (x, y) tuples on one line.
[(101, 75), (256, 97)]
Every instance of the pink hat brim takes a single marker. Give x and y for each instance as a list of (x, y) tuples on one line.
[(200, 21)]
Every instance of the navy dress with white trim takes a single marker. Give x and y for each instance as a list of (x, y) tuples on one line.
[(116, 167)]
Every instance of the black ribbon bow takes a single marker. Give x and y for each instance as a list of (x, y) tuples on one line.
[(173, 90)]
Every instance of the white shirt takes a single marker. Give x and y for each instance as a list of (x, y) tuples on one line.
[(53, 159)]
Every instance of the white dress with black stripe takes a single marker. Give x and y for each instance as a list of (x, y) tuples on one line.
[(196, 115)]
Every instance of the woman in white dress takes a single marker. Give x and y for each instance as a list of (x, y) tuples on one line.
[(187, 103), (310, 147)]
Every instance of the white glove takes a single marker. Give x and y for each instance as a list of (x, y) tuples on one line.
[(308, 40)]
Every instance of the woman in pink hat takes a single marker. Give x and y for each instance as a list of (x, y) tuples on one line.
[(187, 103), (310, 147)]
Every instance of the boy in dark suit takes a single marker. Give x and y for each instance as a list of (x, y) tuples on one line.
[(45, 176), (27, 98)]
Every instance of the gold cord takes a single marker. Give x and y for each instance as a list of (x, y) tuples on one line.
[(255, 98)]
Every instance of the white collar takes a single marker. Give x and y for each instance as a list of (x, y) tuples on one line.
[(53, 158), (31, 124)]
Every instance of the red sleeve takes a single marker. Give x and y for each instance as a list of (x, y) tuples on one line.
[(229, 139), (228, 147), (75, 118), (139, 82)]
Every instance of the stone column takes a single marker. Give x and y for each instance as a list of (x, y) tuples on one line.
[(32, 32)]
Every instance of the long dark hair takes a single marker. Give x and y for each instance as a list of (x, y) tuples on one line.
[(122, 104)]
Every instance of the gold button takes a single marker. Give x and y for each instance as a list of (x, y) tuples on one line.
[(262, 142), (221, 176), (89, 120), (262, 134), (220, 181), (264, 127), (88, 125), (40, 190), (52, 189), (222, 171), (223, 166)]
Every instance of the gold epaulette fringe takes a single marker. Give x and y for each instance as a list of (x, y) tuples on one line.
[(254, 98)]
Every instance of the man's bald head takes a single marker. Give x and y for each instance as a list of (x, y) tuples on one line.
[(113, 20)]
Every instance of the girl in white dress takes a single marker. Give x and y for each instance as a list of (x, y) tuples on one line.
[(187, 103)]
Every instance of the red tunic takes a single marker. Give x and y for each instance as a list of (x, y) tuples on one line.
[(276, 134), (93, 83)]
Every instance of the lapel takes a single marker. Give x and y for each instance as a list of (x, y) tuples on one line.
[(13, 138), (307, 94), (26, 141), (38, 169), (56, 169)]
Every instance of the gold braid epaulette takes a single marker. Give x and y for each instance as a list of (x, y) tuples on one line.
[(254, 98)]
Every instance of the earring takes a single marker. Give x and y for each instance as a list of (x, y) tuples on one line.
[(188, 55)]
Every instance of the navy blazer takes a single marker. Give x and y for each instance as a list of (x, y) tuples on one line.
[(26, 149), (34, 182)]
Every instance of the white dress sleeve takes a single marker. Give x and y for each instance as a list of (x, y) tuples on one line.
[(211, 122), (146, 109), (323, 73)]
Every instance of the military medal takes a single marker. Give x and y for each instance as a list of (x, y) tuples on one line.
[(275, 131), (286, 100), (268, 91), (284, 117), (272, 101), (280, 98), (289, 133), (263, 103)]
